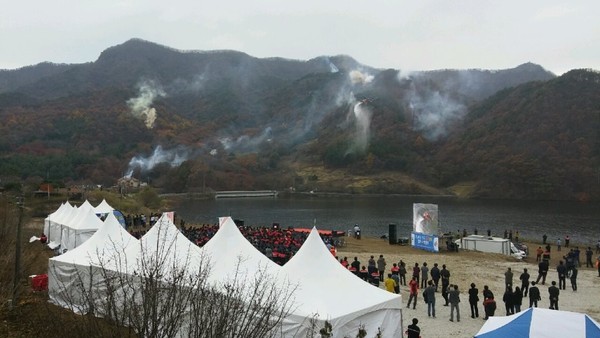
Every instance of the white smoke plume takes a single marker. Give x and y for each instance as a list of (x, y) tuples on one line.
[(433, 112), (141, 106), (360, 114), (246, 143), (173, 157), (358, 77)]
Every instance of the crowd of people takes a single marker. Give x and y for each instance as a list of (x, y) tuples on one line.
[(275, 242), (514, 294)]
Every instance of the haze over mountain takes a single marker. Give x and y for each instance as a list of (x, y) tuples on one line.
[(187, 120)]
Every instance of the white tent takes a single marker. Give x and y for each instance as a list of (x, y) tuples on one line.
[(56, 225), (327, 289), (103, 208), (81, 228), (540, 323), (52, 217), (165, 245), (79, 268), (229, 253)]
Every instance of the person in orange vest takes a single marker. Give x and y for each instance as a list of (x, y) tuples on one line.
[(538, 254), (364, 273), (375, 277)]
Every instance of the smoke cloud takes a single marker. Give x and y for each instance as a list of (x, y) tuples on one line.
[(173, 157), (433, 111), (141, 105), (247, 143), (358, 77)]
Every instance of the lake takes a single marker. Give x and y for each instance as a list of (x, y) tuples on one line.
[(531, 218)]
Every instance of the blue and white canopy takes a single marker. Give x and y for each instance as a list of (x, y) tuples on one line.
[(541, 323)]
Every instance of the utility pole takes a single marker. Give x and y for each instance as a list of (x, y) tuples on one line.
[(17, 274)]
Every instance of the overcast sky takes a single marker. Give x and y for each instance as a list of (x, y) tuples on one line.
[(407, 35)]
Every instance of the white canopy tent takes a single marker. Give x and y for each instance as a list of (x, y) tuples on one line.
[(79, 229), (103, 208), (327, 289), (69, 272), (229, 249), (56, 225), (541, 323), (53, 216)]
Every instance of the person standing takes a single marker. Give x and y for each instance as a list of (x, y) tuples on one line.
[(524, 282), (553, 291), (390, 283), (508, 301), (402, 272), (588, 257), (381, 267), (473, 299), (538, 254), (508, 278), (372, 265), (544, 239), (487, 293), (517, 300), (445, 274), (413, 331), (558, 244), (435, 275), (561, 269), (429, 294), (489, 306), (416, 271), (574, 279), (454, 298), (424, 275), (413, 292), (567, 240), (534, 295), (542, 271)]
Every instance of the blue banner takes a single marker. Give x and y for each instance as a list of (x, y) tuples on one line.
[(424, 241)]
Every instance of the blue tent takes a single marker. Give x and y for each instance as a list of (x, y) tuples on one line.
[(541, 323)]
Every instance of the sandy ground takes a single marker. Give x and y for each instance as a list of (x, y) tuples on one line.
[(479, 268)]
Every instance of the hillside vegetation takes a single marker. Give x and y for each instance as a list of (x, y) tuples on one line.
[(224, 120)]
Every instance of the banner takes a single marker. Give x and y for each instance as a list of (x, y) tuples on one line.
[(424, 241), (425, 218)]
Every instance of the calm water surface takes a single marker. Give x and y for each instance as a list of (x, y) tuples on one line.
[(532, 219)]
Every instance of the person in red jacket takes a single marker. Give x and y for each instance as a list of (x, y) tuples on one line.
[(413, 291), (43, 239)]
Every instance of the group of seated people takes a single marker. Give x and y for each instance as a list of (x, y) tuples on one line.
[(276, 243)]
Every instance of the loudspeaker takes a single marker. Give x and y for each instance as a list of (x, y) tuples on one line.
[(393, 233)]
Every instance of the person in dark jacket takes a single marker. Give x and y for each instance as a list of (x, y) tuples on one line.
[(517, 299), (489, 305), (435, 275), (534, 295), (473, 299), (508, 301), (553, 292), (487, 293), (542, 271), (524, 282), (413, 331), (561, 269), (574, 279)]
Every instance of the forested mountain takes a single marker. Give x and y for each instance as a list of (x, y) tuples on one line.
[(186, 120)]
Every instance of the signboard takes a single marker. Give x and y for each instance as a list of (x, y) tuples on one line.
[(425, 241), (425, 218)]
